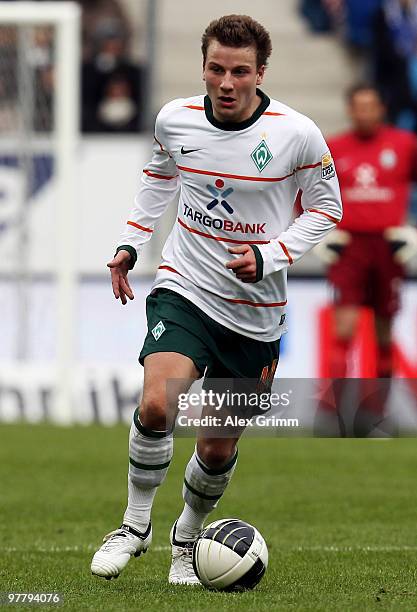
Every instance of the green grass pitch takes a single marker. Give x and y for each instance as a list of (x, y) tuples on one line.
[(339, 517)]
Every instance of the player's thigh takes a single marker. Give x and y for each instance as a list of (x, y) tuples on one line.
[(166, 375), (160, 368)]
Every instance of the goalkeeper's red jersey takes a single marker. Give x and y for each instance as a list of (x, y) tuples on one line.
[(375, 176)]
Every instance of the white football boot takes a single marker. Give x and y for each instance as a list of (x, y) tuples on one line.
[(119, 546), (182, 570)]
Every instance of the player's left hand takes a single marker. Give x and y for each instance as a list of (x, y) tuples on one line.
[(244, 266), (403, 241)]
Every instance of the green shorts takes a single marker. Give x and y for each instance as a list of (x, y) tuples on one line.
[(176, 324)]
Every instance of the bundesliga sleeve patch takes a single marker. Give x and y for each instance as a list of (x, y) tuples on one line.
[(327, 167)]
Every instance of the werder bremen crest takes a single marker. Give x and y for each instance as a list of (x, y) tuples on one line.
[(158, 330), (261, 155)]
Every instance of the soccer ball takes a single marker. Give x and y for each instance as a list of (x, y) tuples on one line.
[(230, 555)]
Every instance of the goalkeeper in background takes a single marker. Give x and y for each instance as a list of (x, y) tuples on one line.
[(376, 165)]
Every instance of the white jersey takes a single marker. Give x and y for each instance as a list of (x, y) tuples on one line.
[(237, 185)]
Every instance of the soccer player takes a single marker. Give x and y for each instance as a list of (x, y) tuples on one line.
[(217, 306), (376, 164)]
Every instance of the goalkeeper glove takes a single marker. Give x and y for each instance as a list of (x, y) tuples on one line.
[(331, 247), (403, 241)]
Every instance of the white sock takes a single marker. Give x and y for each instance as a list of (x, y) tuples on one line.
[(150, 453), (204, 486), (139, 506), (202, 489), (190, 524)]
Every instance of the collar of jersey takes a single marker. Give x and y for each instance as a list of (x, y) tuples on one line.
[(231, 126)]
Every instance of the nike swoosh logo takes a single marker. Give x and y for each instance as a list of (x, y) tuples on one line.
[(186, 151)]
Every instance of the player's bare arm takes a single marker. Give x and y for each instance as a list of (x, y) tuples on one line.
[(119, 268)]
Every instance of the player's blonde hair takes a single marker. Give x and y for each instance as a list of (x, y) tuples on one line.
[(238, 31)]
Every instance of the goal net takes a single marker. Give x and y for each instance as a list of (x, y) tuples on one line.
[(39, 119)]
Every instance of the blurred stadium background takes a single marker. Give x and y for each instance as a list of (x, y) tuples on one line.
[(80, 85)]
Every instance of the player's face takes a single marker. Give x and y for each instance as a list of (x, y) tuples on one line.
[(231, 77), (366, 112)]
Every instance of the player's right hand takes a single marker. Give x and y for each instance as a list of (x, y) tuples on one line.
[(119, 267), (331, 247)]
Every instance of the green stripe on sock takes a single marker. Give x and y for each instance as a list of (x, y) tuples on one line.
[(202, 495), (149, 466)]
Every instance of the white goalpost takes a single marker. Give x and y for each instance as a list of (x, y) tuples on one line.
[(39, 125)]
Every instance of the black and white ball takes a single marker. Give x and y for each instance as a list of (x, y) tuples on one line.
[(230, 555)]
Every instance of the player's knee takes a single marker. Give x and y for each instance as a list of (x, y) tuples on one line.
[(153, 413), (215, 454)]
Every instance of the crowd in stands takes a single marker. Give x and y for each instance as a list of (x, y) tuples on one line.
[(380, 34), (112, 85), (383, 33)]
